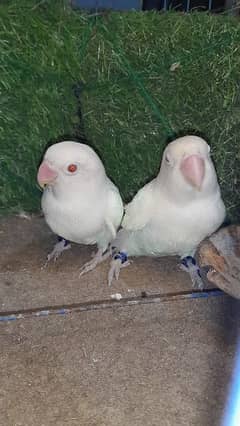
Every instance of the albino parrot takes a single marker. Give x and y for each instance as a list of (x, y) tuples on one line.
[(173, 213), (79, 201)]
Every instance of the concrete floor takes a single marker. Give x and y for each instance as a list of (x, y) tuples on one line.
[(161, 360)]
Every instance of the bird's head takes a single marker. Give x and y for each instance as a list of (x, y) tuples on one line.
[(69, 163), (187, 167)]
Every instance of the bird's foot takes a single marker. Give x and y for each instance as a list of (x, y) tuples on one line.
[(99, 257), (189, 265), (119, 261), (59, 247)]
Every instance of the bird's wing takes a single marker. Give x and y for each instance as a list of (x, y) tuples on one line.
[(114, 211), (138, 211)]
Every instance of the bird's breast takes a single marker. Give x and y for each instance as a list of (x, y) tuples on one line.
[(174, 231), (79, 221)]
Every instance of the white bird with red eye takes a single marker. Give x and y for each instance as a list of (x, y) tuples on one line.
[(79, 201), (173, 213)]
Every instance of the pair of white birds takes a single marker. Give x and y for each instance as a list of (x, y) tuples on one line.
[(170, 215)]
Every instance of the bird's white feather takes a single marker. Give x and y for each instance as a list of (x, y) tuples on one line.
[(85, 208), (168, 216), (137, 211), (114, 212)]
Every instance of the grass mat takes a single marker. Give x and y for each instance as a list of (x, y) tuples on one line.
[(142, 78), (40, 58)]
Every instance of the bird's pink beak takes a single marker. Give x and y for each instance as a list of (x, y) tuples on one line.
[(46, 175), (193, 170)]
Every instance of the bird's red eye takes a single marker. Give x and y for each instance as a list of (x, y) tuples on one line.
[(72, 168)]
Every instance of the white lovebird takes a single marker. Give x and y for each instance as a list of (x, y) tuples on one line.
[(173, 213), (79, 202)]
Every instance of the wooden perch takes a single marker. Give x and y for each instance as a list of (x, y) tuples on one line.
[(221, 254)]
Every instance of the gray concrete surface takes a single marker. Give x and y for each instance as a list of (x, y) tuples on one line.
[(157, 364), (24, 247)]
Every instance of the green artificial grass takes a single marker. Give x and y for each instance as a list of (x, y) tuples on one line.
[(40, 59), (132, 99), (133, 103)]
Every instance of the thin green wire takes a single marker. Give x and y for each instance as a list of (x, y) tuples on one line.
[(140, 86), (145, 94)]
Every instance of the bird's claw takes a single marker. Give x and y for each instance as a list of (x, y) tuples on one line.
[(116, 266), (89, 266), (59, 247), (99, 257), (189, 265)]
